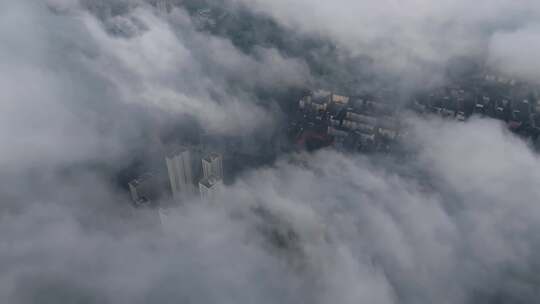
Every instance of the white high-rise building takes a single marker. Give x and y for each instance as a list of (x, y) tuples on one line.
[(209, 188), (179, 167), (163, 6), (213, 166), (165, 218)]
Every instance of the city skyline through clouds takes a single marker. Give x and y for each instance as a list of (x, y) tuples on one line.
[(350, 151)]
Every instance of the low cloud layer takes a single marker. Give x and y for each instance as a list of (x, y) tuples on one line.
[(513, 52), (462, 229), (171, 66), (411, 37), (67, 76), (455, 221)]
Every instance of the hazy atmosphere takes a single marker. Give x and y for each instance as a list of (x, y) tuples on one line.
[(438, 201)]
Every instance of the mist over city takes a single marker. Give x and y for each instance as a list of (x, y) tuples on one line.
[(269, 151)]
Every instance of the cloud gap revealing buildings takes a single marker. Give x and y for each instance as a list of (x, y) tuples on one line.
[(365, 123), (358, 123), (489, 96), (189, 173)]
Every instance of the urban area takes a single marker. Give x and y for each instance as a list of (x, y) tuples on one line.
[(321, 119)]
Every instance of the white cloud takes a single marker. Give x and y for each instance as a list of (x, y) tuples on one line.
[(404, 37), (515, 52), (174, 68), (457, 223)]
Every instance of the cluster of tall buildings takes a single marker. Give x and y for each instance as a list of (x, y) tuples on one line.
[(190, 173)]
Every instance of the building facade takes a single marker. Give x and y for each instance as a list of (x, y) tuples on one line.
[(179, 167), (163, 6), (210, 187), (212, 165)]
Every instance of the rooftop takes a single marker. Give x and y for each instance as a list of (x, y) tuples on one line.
[(175, 150), (210, 181), (141, 179), (212, 156)]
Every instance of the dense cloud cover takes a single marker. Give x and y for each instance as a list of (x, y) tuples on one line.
[(412, 36), (457, 222)]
